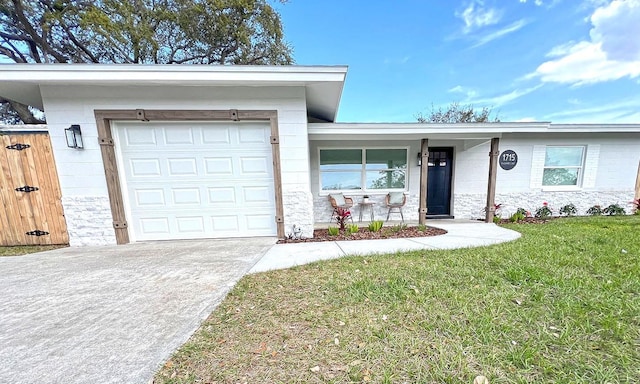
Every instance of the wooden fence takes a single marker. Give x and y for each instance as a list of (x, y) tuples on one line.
[(29, 191)]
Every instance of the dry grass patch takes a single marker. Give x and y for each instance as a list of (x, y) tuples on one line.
[(562, 304), (26, 249)]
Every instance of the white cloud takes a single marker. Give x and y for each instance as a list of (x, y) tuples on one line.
[(526, 120), (611, 53), (506, 98), (476, 16), (472, 96), (620, 111), (500, 33), (536, 2), (468, 92)]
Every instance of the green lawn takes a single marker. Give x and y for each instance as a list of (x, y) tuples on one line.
[(560, 305), (26, 249)]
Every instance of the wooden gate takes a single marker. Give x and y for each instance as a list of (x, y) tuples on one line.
[(29, 192)]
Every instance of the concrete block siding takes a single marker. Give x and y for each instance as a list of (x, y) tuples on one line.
[(82, 179)]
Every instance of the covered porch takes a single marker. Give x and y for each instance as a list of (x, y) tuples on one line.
[(434, 165)]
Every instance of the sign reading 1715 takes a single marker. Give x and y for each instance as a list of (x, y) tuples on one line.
[(508, 159)]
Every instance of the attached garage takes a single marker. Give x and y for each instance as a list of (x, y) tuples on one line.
[(180, 151), (188, 180)]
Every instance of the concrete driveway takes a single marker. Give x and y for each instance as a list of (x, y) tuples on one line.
[(111, 314)]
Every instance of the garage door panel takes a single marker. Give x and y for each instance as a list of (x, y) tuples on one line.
[(198, 180), (216, 136), (182, 166), (144, 167), (218, 166), (255, 165), (193, 224), (140, 136), (221, 195), (178, 135), (149, 197), (225, 223), (186, 196), (255, 134), (154, 225)]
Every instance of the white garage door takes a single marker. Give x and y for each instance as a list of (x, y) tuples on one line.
[(197, 180)]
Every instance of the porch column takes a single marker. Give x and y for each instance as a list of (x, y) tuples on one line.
[(424, 167), (491, 188)]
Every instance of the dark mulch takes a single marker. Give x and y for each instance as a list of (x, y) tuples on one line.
[(531, 220), (365, 234)]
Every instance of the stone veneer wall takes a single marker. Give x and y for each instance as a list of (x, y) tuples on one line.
[(469, 206), (322, 208), (89, 220), (298, 211)]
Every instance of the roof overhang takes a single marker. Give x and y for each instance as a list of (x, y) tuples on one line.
[(323, 84), (390, 131)]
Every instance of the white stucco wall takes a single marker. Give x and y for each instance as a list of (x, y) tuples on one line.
[(82, 179)]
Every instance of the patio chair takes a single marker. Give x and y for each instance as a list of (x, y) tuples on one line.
[(395, 201), (338, 200)]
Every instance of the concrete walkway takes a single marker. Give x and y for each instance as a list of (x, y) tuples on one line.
[(459, 235), (111, 314)]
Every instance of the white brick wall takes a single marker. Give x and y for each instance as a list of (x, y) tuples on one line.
[(89, 220), (81, 171), (469, 206)]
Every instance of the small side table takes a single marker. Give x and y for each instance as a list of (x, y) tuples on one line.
[(363, 206)]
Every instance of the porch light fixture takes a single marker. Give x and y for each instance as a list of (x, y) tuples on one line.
[(419, 159), (74, 136)]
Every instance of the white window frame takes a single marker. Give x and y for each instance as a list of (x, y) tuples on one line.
[(580, 168), (363, 172)]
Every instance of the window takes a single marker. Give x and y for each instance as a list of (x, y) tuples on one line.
[(363, 169), (563, 166)]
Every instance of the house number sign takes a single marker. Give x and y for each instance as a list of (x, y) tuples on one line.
[(508, 159)]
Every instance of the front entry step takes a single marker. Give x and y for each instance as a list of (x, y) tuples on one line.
[(439, 217)]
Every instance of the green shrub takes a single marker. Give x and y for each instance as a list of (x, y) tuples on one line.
[(496, 219), (333, 231), (398, 228), (422, 227), (614, 210), (353, 228), (516, 217), (596, 210), (376, 225), (568, 210), (544, 211), (523, 212)]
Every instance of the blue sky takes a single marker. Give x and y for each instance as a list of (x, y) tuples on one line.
[(531, 60)]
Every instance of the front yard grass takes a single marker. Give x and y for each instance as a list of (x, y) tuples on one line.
[(559, 305), (26, 249)]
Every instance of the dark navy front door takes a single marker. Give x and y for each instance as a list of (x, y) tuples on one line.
[(439, 181)]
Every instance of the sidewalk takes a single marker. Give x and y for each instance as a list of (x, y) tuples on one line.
[(459, 235)]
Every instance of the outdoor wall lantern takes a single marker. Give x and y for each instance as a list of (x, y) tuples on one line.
[(74, 136), (419, 159)]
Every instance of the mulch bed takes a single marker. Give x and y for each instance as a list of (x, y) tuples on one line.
[(365, 234), (531, 220)]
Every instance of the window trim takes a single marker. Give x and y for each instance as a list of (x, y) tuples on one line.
[(580, 168), (363, 171)]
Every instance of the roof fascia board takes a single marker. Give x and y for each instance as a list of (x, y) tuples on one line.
[(44, 74)]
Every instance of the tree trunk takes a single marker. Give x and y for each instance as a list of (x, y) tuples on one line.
[(23, 111)]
